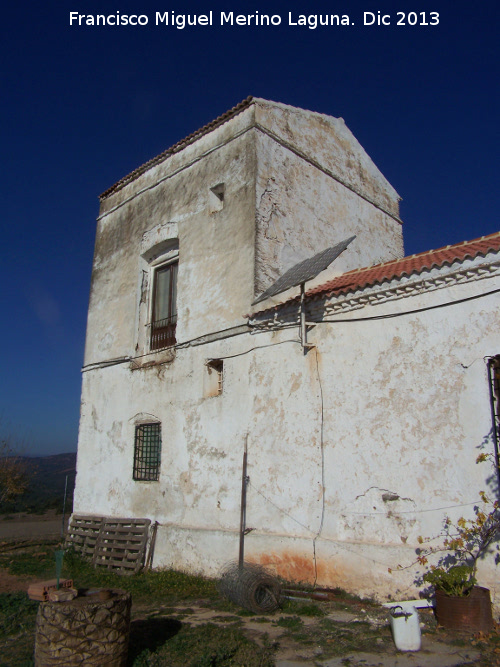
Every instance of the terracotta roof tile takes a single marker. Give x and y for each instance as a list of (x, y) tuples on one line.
[(414, 264), (179, 146), (351, 281)]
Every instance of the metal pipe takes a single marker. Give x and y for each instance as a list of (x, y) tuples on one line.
[(243, 510), (64, 508), (303, 327)]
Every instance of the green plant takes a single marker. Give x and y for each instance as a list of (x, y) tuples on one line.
[(169, 586), (17, 613), (208, 645), (289, 622), (34, 563), (456, 580), (303, 608)]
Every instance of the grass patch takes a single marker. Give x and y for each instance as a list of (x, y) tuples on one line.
[(17, 613), (161, 633), (246, 612), (17, 626), (292, 623), (207, 645), (37, 564), (167, 586), (33, 560), (223, 604), (340, 638), (303, 608), (341, 594)]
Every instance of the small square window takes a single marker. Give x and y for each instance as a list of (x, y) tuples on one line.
[(147, 452)]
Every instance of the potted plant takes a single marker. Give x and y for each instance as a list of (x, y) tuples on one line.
[(460, 602)]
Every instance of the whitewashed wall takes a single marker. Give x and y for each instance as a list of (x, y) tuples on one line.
[(377, 409), (406, 411)]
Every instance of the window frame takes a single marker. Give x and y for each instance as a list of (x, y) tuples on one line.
[(147, 452), (493, 365)]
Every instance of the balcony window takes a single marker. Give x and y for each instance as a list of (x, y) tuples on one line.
[(164, 310)]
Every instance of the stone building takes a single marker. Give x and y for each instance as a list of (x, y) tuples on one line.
[(360, 439)]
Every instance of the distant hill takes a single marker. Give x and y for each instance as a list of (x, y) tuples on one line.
[(47, 479)]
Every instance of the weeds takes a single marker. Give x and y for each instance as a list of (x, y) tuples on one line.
[(303, 608), (17, 626), (39, 564), (207, 645), (246, 612), (169, 586), (17, 613), (341, 638), (168, 601), (291, 623)]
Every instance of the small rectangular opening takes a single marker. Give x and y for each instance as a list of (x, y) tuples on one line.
[(214, 377), (216, 197)]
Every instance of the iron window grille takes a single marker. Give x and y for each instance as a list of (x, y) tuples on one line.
[(494, 377), (164, 309), (147, 452)]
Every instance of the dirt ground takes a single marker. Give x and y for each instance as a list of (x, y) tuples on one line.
[(292, 651), (10, 583), (298, 645), (32, 526), (29, 527)]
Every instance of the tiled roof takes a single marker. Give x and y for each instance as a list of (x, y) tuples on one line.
[(407, 266), (179, 146), (351, 281)]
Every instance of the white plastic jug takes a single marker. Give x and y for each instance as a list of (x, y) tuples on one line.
[(405, 627)]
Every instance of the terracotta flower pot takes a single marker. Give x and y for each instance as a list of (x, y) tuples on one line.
[(471, 612)]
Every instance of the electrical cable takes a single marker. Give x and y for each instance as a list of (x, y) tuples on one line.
[(280, 509), (372, 318), (260, 347), (411, 312)]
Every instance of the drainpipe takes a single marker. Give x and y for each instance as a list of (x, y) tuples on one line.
[(303, 327), (243, 509)]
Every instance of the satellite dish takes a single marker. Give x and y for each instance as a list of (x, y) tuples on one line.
[(305, 270)]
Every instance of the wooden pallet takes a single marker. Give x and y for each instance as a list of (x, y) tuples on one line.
[(116, 544), (121, 545), (83, 533)]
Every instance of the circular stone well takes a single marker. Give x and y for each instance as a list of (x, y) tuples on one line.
[(93, 629)]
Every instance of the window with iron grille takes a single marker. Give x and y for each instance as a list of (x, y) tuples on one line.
[(494, 375), (147, 452), (164, 308)]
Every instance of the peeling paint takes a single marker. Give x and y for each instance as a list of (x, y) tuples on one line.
[(356, 447)]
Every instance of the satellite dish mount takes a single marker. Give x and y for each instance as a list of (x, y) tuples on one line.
[(299, 275)]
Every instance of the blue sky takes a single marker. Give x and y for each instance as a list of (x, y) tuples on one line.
[(83, 106)]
